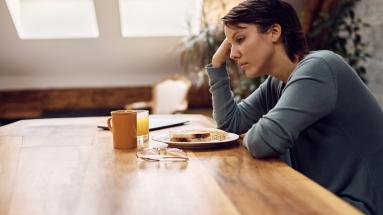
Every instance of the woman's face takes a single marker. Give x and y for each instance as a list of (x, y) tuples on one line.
[(251, 49)]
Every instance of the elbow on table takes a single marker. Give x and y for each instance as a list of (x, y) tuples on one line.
[(261, 150), (259, 153)]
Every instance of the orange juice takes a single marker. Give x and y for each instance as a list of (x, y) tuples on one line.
[(142, 126)]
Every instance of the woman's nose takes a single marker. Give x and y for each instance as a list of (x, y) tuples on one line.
[(234, 54)]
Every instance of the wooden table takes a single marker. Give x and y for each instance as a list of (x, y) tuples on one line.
[(68, 166)]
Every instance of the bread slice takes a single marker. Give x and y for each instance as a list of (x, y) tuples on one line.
[(200, 135), (216, 134), (190, 136)]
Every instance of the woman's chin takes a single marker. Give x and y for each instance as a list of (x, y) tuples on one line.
[(251, 74)]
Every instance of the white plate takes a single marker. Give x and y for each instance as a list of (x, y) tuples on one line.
[(165, 138)]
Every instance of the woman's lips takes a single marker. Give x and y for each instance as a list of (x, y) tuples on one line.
[(243, 65)]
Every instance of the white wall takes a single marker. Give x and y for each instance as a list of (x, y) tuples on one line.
[(371, 11), (109, 60)]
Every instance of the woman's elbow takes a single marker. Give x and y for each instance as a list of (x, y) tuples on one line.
[(261, 150), (259, 153)]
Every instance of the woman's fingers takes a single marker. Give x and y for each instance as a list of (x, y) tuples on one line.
[(222, 54)]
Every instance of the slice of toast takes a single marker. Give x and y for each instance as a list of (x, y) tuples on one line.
[(200, 135), (216, 134), (190, 136)]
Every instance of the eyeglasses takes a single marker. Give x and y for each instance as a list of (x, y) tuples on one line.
[(162, 154)]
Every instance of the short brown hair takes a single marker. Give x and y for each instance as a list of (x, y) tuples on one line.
[(265, 13)]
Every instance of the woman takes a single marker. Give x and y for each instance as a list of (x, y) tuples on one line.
[(312, 111)]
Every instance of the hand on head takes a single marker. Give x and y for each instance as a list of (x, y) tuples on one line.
[(222, 54)]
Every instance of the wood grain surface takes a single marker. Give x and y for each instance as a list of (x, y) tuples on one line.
[(68, 166)]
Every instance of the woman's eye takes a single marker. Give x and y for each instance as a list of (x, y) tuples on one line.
[(239, 39)]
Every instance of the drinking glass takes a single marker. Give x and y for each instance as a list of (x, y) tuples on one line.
[(142, 128)]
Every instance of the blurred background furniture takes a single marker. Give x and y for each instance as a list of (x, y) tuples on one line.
[(169, 96)]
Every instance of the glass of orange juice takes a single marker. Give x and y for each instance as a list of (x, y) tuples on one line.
[(142, 128)]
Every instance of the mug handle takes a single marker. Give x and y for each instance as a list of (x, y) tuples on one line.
[(109, 124)]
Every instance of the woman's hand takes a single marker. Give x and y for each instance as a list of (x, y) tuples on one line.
[(222, 54)]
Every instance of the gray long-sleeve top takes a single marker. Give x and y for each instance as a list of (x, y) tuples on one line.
[(324, 122)]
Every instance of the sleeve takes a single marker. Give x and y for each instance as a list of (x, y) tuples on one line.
[(310, 94), (232, 117)]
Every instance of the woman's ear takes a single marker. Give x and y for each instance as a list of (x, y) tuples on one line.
[(275, 32)]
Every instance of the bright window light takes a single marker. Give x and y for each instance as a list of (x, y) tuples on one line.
[(145, 18), (54, 19)]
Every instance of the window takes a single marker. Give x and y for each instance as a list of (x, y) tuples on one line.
[(54, 19), (140, 18)]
